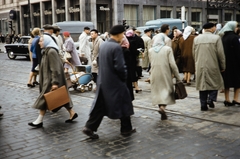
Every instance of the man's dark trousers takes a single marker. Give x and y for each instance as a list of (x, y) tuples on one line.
[(207, 97)]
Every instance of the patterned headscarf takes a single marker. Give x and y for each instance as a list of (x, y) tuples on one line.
[(187, 32), (159, 42)]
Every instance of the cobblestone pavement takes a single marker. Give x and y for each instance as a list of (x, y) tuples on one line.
[(189, 133)]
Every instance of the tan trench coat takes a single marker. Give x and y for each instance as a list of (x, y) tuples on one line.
[(147, 46), (163, 66), (96, 44), (209, 59)]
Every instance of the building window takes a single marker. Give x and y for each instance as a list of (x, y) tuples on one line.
[(228, 16), (149, 13), (166, 12), (196, 21), (238, 18), (130, 14)]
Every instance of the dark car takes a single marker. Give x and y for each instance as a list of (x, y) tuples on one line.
[(20, 48)]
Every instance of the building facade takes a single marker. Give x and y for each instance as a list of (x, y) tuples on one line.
[(27, 14)]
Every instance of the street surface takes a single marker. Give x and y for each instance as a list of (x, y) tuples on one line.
[(187, 134)]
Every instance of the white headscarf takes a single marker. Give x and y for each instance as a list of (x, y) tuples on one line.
[(230, 26), (187, 32), (48, 42), (159, 42)]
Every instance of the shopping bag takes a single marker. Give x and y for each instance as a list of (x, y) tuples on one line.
[(57, 98)]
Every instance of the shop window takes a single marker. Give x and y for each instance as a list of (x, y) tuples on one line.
[(149, 13), (131, 14)]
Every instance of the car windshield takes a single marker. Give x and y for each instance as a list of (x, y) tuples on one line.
[(24, 40)]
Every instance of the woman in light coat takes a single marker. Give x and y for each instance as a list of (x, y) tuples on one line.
[(69, 47), (163, 66), (51, 77)]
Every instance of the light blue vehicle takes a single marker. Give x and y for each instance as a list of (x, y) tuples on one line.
[(156, 24)]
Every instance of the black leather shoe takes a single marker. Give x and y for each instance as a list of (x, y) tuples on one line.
[(35, 83), (163, 114), (235, 102), (128, 133), (70, 120), (31, 85), (228, 104), (1, 114), (36, 125), (138, 90), (204, 108), (90, 133), (211, 104)]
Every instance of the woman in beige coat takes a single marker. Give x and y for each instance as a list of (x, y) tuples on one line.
[(163, 66)]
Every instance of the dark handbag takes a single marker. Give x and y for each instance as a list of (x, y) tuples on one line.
[(180, 91), (57, 98)]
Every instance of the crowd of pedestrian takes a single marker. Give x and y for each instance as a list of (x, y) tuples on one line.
[(118, 59)]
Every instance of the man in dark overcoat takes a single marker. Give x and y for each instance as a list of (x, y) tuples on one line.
[(112, 96)]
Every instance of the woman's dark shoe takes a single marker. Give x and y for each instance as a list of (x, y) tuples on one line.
[(188, 83), (138, 90), (235, 102), (36, 125), (35, 83), (70, 120), (30, 85), (228, 104), (163, 114), (90, 133)]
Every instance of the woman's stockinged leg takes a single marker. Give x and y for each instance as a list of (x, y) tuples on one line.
[(226, 93), (72, 114), (236, 93)]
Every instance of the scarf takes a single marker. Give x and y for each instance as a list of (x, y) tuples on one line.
[(159, 42)]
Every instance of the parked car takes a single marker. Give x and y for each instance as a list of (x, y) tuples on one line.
[(20, 48)]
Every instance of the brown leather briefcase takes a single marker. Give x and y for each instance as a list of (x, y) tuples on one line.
[(57, 98)]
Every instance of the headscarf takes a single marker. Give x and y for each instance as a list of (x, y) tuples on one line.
[(159, 42), (218, 26), (48, 42), (129, 33), (187, 32), (230, 26), (178, 34), (124, 42)]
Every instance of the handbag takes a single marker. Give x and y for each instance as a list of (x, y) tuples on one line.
[(180, 91), (67, 55), (57, 98)]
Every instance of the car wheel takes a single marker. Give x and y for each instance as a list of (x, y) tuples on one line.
[(10, 55)]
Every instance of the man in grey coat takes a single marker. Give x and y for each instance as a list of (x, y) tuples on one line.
[(112, 96), (209, 59)]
